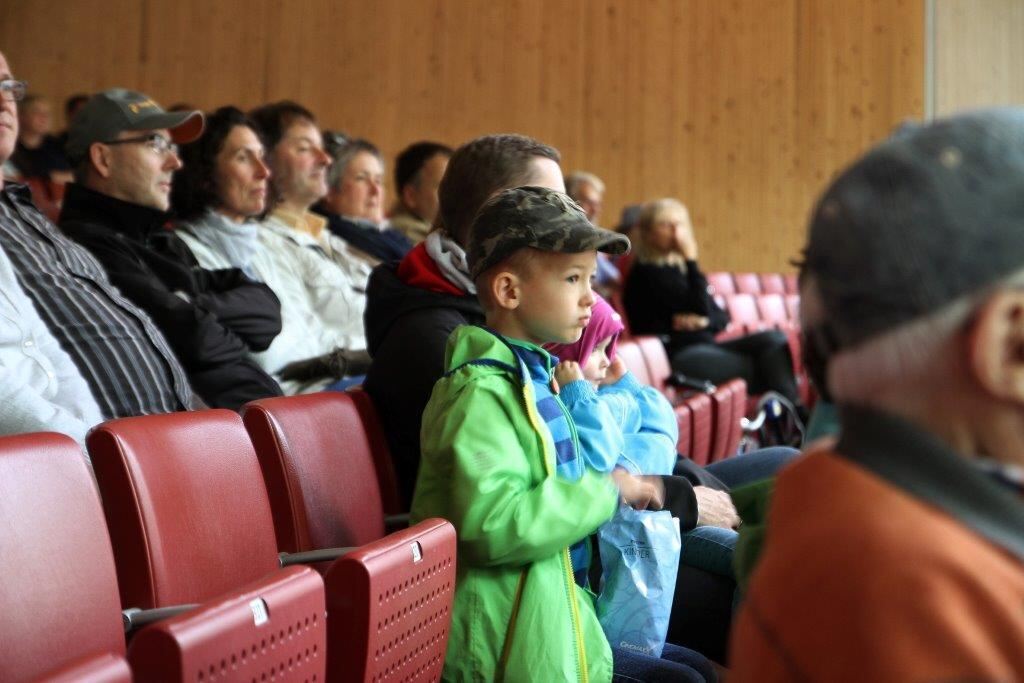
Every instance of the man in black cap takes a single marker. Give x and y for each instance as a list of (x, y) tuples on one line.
[(897, 554), (124, 150), (123, 357)]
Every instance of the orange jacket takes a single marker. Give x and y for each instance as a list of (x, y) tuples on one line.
[(861, 579)]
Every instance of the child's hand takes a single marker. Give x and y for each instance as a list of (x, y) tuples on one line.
[(567, 371), (640, 492), (616, 371)]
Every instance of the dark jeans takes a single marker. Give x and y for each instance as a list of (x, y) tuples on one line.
[(762, 359), (676, 664), (703, 604)]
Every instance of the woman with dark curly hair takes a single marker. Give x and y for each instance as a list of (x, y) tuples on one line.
[(217, 197)]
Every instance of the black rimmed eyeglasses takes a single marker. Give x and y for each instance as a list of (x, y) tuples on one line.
[(156, 142)]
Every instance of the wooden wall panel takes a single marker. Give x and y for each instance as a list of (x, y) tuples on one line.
[(979, 54), (742, 108)]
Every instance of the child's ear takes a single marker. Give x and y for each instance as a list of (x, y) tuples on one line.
[(996, 346), (505, 289)]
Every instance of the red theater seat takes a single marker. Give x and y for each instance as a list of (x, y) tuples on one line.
[(105, 668), (722, 423), (743, 311), (633, 357), (659, 369), (684, 420), (273, 629), (319, 469), (390, 613), (772, 308), (59, 608), (792, 284), (722, 283), (739, 410), (793, 307), (772, 283), (747, 283), (382, 461), (700, 440), (186, 506)]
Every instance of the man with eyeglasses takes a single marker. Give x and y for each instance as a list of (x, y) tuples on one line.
[(123, 357), (124, 149)]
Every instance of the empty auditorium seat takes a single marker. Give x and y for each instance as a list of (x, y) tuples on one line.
[(59, 607), (791, 282), (722, 283), (772, 309), (273, 629), (743, 311), (390, 610), (382, 461), (104, 668), (793, 307), (773, 283), (633, 357), (659, 369), (319, 469), (747, 283), (684, 420), (721, 422), (186, 506), (700, 439), (739, 410)]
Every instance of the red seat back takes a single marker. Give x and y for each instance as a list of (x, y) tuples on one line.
[(104, 668), (684, 420), (773, 283), (792, 283), (382, 461), (721, 421), (659, 370), (793, 307), (747, 283), (743, 309), (722, 282), (58, 586), (700, 440), (186, 506), (273, 629), (772, 308), (739, 410), (390, 605), (318, 463), (630, 353)]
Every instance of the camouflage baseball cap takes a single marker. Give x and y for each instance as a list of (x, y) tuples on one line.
[(117, 110), (536, 217)]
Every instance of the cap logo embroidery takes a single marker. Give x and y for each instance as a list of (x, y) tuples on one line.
[(145, 104)]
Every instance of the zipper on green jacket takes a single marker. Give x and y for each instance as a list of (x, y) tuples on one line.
[(570, 582)]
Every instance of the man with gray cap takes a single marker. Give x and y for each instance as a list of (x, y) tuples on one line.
[(897, 554), (124, 150), (123, 357)]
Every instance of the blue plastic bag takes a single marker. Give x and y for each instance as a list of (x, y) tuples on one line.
[(640, 560)]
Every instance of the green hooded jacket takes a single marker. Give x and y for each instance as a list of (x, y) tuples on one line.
[(488, 466)]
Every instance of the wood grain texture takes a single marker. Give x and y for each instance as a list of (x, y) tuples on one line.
[(978, 54), (743, 109)]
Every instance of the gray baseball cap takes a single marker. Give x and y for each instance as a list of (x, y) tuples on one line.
[(536, 217), (114, 111), (932, 214)]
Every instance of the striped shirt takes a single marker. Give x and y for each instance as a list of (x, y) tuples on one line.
[(120, 353), (568, 464)]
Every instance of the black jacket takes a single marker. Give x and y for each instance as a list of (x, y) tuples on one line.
[(655, 293), (407, 329), (211, 318)]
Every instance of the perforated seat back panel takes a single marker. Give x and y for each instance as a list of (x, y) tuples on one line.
[(390, 606), (269, 630)]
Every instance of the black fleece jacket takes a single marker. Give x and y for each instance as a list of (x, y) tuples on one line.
[(211, 318), (407, 329)]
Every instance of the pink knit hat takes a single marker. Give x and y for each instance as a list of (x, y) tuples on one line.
[(604, 323)]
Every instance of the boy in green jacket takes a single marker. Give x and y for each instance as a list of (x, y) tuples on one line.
[(500, 454)]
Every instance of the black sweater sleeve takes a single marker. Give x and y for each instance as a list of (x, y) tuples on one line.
[(655, 293)]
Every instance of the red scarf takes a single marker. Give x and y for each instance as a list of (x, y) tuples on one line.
[(417, 269)]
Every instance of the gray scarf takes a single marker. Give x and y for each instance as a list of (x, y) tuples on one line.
[(237, 242), (450, 259)]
